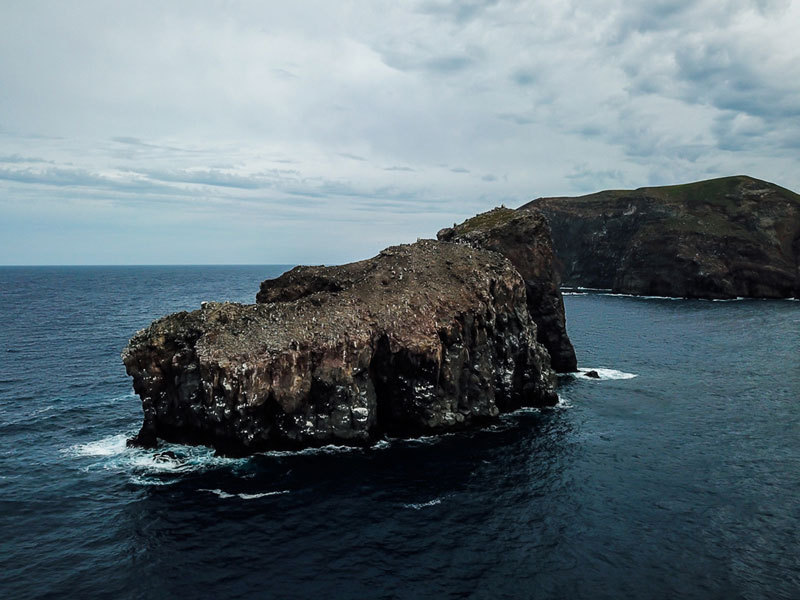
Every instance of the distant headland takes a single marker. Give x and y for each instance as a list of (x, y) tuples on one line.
[(722, 238)]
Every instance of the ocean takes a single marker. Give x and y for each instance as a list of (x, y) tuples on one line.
[(676, 474)]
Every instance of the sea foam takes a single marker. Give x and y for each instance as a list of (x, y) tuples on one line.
[(604, 374), (421, 505), (147, 466), (243, 496)]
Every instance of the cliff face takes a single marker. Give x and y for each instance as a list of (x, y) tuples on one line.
[(722, 238), (423, 338), (524, 238)]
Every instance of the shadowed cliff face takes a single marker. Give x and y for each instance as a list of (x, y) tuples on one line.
[(722, 238), (524, 238), (423, 338)]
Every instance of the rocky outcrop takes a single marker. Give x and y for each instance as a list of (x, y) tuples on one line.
[(722, 238), (422, 338), (524, 238)]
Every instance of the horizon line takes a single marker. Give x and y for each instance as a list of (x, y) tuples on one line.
[(34, 266)]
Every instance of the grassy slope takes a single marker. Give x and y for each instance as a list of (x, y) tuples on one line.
[(703, 207), (710, 191), (485, 221)]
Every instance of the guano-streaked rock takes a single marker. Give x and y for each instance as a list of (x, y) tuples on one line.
[(423, 338)]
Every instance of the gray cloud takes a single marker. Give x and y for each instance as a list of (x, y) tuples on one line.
[(352, 156), (278, 116), (655, 15), (524, 77), (212, 177), (70, 177), (448, 64), (284, 74), (56, 176), (586, 179), (16, 159), (517, 119), (433, 63), (132, 141), (459, 11)]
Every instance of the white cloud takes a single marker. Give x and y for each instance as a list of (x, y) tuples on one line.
[(266, 123)]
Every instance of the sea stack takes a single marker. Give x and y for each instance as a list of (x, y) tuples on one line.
[(423, 338), (723, 238)]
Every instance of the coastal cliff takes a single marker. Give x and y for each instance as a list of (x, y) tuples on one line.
[(721, 238), (423, 338), (524, 238)]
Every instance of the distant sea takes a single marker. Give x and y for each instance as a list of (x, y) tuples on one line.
[(674, 475)]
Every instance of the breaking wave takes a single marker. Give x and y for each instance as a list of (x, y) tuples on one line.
[(224, 494), (421, 505), (603, 374), (148, 466)]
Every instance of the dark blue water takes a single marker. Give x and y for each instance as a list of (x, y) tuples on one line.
[(683, 481)]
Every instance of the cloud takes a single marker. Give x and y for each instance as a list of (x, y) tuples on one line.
[(587, 179), (448, 64), (89, 182), (16, 159), (459, 11), (524, 77), (352, 156), (388, 119), (212, 177), (56, 176), (517, 119), (431, 62)]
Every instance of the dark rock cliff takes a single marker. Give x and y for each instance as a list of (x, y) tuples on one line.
[(722, 238), (423, 338), (524, 238)]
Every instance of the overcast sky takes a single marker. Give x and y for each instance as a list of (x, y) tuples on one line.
[(321, 132)]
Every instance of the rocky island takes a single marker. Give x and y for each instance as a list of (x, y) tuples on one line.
[(423, 338), (722, 238)]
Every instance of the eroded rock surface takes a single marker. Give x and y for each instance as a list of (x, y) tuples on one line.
[(422, 338), (524, 238), (722, 238)]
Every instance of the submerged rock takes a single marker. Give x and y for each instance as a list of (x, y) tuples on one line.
[(423, 338), (722, 238), (524, 238), (166, 456)]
